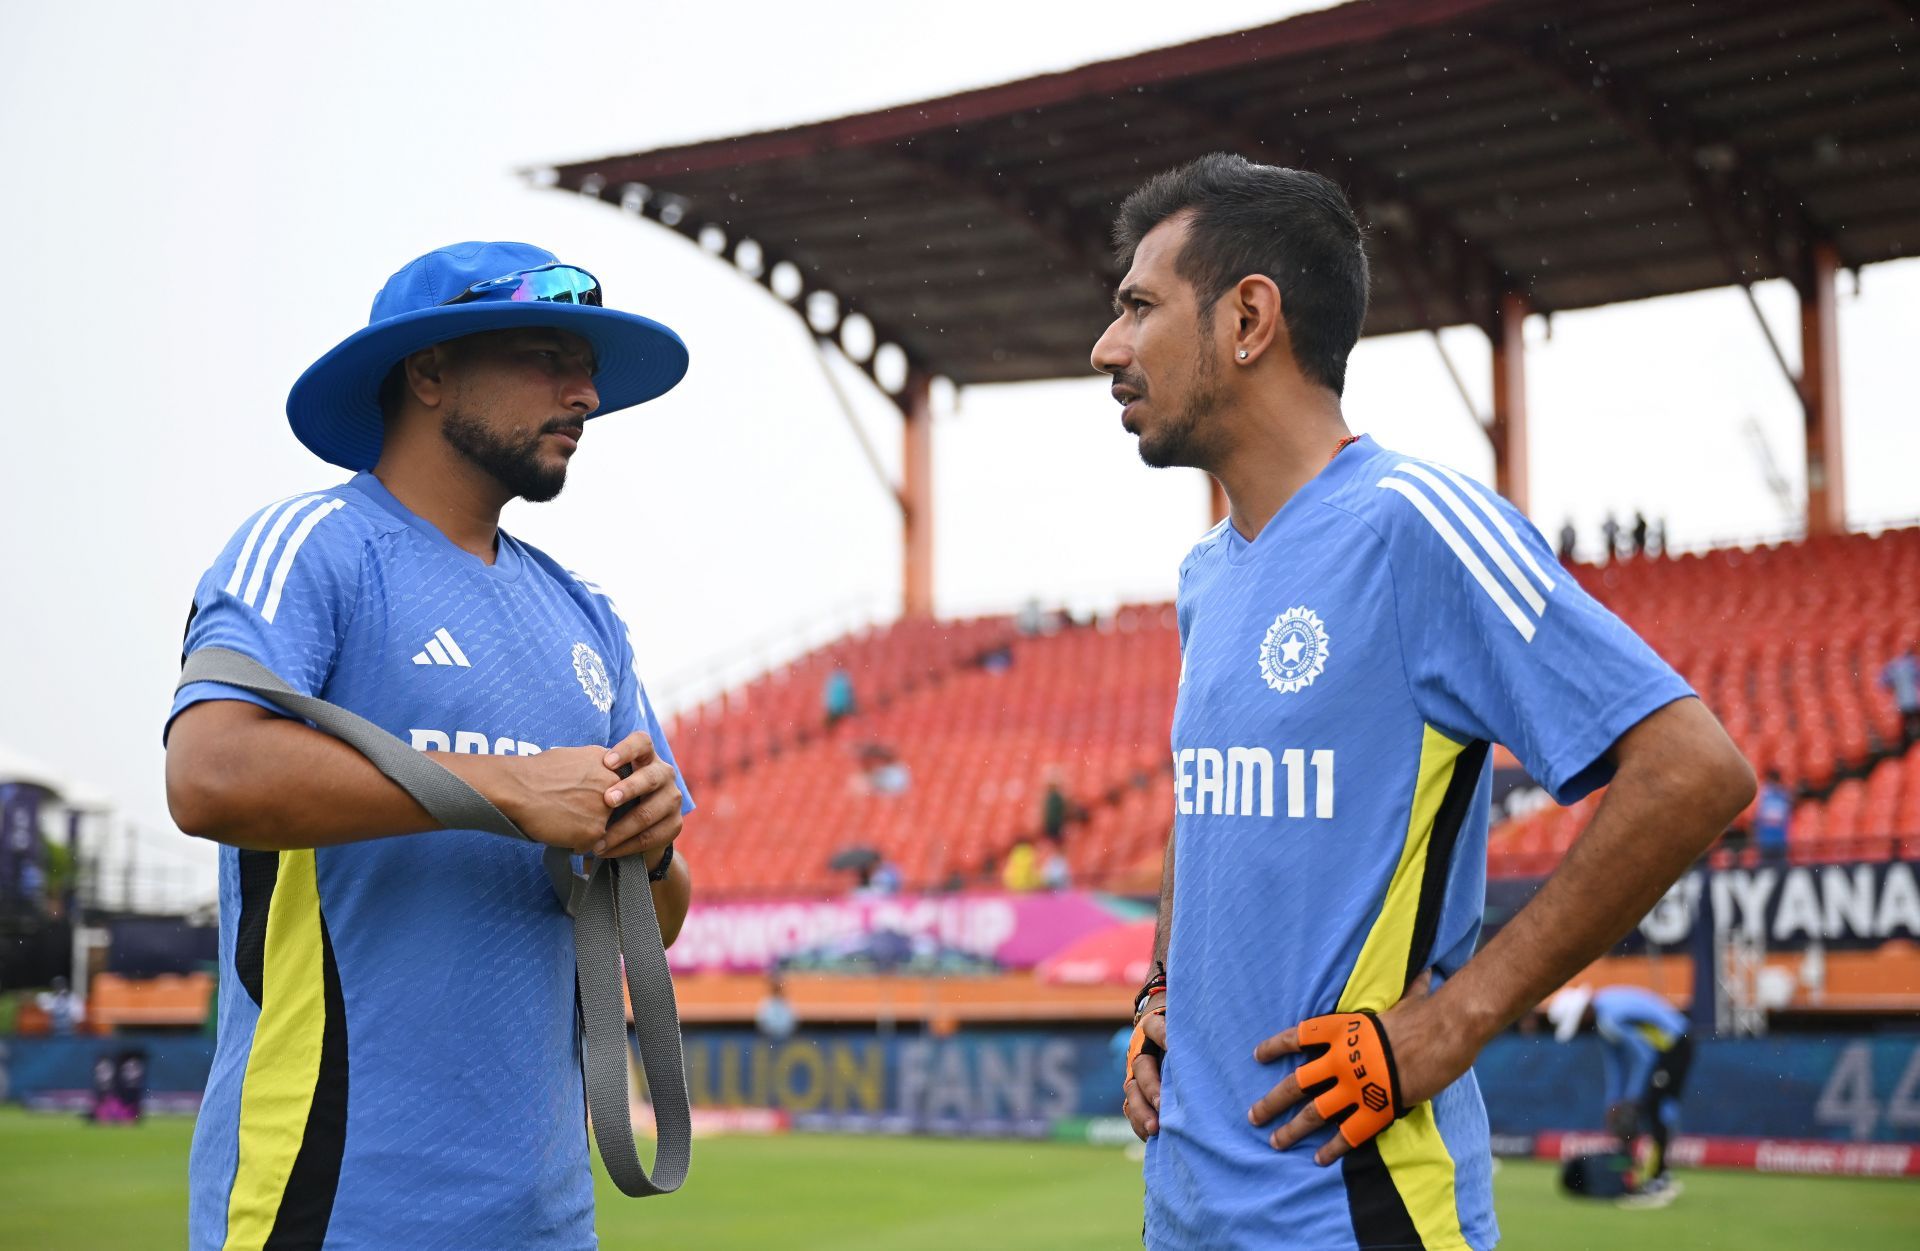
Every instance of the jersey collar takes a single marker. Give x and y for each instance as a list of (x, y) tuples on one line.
[(1329, 479), (506, 564)]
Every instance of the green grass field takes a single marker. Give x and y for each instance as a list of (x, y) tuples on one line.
[(65, 1186)]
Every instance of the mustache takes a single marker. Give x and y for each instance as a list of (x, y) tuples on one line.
[(572, 425)]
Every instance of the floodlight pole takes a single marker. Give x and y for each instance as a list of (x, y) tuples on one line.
[(916, 493), (1819, 386), (1508, 429)]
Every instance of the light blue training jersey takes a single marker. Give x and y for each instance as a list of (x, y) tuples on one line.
[(397, 1062), (1343, 677), (1637, 1026)]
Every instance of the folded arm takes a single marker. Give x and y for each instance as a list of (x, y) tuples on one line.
[(243, 776)]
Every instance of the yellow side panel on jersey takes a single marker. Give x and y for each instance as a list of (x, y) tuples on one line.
[(1412, 1149), (1376, 982), (1422, 1170), (284, 1062)]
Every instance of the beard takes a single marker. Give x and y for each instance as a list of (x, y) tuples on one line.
[(513, 462), (1178, 440)]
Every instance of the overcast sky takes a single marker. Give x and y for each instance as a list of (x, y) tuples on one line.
[(201, 199)]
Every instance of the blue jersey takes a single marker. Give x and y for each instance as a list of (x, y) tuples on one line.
[(397, 1063), (1637, 1026), (1343, 676)]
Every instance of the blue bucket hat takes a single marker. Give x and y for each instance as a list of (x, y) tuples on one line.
[(335, 406)]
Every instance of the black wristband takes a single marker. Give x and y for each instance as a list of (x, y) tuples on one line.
[(1154, 985), (658, 873)]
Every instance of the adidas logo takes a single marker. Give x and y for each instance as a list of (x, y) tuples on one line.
[(442, 650)]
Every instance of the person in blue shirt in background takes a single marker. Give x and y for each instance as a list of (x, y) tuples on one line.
[(1772, 818), (838, 696), (1647, 1054), (1902, 677)]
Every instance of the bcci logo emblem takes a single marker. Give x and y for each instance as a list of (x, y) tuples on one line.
[(1295, 650), (592, 672)]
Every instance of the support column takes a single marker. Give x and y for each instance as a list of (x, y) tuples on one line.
[(1216, 501), (1508, 430), (916, 495), (1820, 393)]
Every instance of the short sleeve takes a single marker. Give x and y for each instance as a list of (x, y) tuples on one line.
[(281, 592), (633, 711), (1501, 643)]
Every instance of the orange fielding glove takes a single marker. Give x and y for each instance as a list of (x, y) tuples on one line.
[(1141, 1044), (1349, 1073)]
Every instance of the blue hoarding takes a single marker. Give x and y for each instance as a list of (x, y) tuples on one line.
[(1864, 1088), (1860, 1089)]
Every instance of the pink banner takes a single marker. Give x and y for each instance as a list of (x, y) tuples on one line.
[(1017, 931)]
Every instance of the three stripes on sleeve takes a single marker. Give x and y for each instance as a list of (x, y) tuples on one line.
[(1409, 477), (300, 514)]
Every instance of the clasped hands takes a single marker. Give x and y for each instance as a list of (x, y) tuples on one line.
[(595, 801)]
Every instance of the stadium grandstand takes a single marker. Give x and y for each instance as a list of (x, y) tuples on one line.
[(1804, 701), (1091, 703)]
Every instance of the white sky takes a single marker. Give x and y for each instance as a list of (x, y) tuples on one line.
[(203, 198)]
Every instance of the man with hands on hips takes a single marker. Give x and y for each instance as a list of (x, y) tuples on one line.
[(1354, 637), (398, 1055)]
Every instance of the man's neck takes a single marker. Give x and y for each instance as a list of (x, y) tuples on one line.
[(449, 493), (1285, 441)]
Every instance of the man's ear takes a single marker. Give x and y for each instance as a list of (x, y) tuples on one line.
[(424, 375), (1258, 318)]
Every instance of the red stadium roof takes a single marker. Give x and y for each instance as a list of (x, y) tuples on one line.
[(1574, 155)]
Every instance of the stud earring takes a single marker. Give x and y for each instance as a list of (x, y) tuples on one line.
[(1243, 353)]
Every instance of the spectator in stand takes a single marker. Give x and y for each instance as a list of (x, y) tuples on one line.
[(1609, 539), (891, 777), (886, 879), (774, 1018), (1056, 873), (882, 771), (1657, 540), (1902, 677), (1639, 533), (63, 1008), (1022, 870), (1031, 620), (1568, 541), (839, 695), (1771, 819), (1057, 810), (1647, 1055)]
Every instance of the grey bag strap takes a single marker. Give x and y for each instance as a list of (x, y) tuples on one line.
[(613, 917)]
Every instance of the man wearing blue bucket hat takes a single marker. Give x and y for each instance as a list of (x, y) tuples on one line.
[(397, 1062)]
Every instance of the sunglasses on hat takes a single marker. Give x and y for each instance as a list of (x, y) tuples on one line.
[(551, 284)]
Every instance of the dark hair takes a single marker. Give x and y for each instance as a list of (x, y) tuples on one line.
[(1293, 226)]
